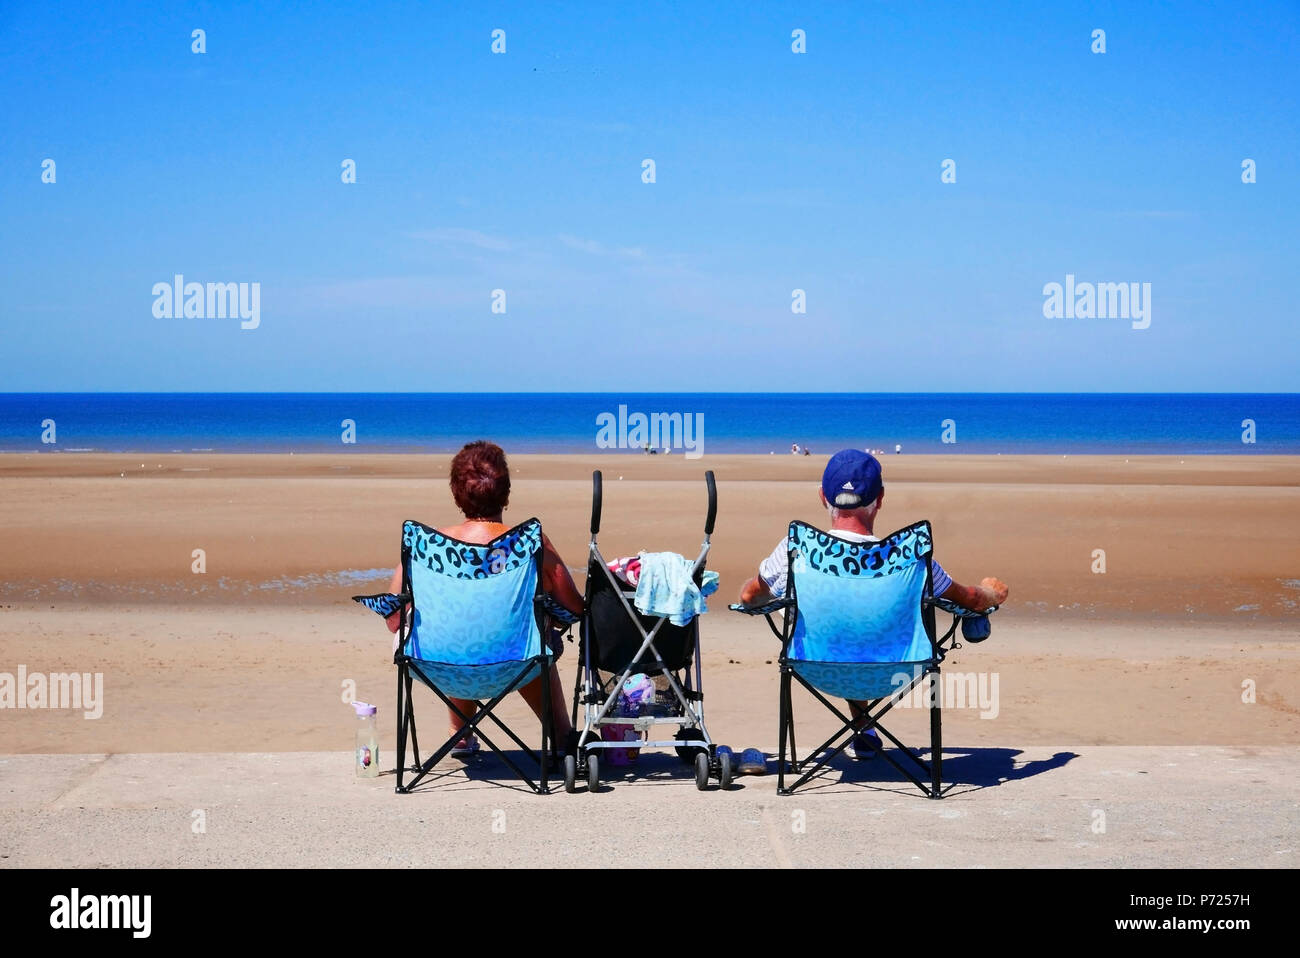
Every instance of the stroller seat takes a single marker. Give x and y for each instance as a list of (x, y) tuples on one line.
[(615, 640)]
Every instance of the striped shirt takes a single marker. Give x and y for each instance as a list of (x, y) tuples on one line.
[(774, 568)]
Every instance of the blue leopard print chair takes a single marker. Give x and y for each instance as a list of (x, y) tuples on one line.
[(859, 621), (858, 625), (471, 628)]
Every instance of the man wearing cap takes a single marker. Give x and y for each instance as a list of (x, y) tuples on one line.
[(853, 489)]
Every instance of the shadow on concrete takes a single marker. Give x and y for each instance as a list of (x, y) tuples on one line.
[(964, 770)]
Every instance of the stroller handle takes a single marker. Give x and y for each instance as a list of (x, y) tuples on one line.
[(596, 496), (713, 503)]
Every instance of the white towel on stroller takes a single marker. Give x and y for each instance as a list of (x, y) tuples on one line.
[(666, 587)]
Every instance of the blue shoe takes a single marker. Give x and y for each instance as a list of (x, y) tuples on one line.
[(866, 744), (752, 762)]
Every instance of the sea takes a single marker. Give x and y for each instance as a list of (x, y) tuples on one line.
[(680, 423)]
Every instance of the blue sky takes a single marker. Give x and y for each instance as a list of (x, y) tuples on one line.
[(775, 171)]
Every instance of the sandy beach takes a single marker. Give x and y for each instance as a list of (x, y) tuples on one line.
[(1201, 589), (1194, 539)]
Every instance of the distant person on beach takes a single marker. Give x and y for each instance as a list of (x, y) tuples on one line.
[(794, 449), (852, 491), (480, 484), (898, 447)]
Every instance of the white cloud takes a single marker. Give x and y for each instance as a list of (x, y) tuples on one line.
[(596, 248), (462, 237)]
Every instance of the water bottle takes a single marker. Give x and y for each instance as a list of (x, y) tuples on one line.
[(367, 741), (637, 694)]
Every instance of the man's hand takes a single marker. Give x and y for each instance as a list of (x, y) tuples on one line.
[(993, 592), (977, 598), (755, 592)]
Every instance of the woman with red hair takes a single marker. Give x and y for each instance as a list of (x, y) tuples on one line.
[(480, 484)]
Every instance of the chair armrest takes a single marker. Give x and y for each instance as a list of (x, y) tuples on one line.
[(767, 608), (960, 611), (557, 611), (384, 603)]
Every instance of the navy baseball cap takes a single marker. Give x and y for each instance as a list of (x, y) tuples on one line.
[(852, 479)]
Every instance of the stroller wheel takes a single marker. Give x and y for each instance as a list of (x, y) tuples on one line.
[(701, 770), (724, 769), (570, 773), (687, 753), (593, 772)]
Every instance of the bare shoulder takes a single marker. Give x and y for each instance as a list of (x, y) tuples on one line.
[(548, 547)]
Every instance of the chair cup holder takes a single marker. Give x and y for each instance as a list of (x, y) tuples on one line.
[(976, 628)]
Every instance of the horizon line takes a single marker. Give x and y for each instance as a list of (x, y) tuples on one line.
[(669, 392)]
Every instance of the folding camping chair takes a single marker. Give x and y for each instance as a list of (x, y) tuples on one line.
[(859, 624), (618, 640), (471, 628)]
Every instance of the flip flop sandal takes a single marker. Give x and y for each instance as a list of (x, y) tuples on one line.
[(465, 748)]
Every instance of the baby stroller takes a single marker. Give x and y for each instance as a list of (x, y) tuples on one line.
[(618, 641)]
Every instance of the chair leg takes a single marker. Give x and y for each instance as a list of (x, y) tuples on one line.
[(412, 732), (403, 706), (936, 736), (789, 716), (546, 725), (784, 719)]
